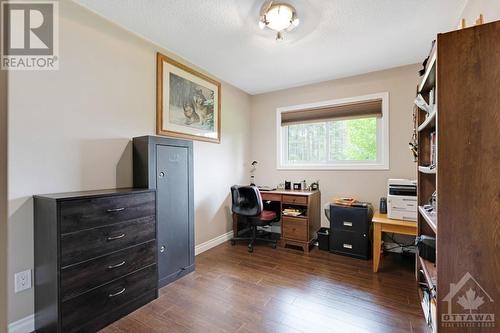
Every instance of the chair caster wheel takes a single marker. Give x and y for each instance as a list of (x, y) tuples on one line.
[(273, 246), (233, 242)]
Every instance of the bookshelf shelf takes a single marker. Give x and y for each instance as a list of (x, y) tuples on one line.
[(430, 272), (429, 78), (427, 170), (431, 219), (429, 122)]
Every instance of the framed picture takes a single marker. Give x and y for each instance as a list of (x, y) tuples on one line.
[(187, 102)]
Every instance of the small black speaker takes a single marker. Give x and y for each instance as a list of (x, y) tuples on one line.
[(383, 206)]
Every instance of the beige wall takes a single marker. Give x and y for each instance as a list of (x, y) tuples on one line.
[(3, 200), (489, 8), (366, 185), (71, 130)]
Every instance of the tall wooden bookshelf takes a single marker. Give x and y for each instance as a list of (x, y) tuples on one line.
[(464, 72)]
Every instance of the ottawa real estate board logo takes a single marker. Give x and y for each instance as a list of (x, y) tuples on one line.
[(30, 35), (468, 305)]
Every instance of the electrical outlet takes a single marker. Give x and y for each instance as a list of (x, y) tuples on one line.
[(22, 280)]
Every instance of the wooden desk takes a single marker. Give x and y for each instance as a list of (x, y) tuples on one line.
[(381, 223), (297, 231)]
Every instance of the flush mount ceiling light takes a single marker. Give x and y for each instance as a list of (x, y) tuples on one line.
[(278, 16)]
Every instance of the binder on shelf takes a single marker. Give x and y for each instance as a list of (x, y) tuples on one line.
[(433, 149)]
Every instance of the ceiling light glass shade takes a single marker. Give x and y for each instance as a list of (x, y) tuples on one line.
[(296, 22), (279, 17)]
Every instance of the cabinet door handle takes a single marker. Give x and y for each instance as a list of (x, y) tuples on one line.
[(114, 210), (348, 246), (115, 237), (117, 293), (116, 265), (348, 224)]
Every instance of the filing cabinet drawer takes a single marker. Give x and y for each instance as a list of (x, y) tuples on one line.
[(110, 297), (294, 199), (350, 243), (88, 244), (349, 219), (79, 278), (294, 228), (95, 212)]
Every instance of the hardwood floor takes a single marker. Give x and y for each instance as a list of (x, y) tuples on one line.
[(283, 290)]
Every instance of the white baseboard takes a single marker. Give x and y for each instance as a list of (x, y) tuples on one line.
[(23, 325), (213, 243), (27, 324)]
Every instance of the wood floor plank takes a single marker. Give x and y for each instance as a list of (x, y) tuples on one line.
[(283, 290)]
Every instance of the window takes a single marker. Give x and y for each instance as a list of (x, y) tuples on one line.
[(342, 134)]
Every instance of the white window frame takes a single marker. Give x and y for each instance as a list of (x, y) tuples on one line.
[(382, 162)]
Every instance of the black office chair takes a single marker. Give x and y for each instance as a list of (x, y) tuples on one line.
[(247, 205)]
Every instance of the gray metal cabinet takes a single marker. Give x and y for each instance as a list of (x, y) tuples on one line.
[(166, 165)]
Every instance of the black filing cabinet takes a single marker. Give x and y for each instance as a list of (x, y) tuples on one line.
[(349, 230), (166, 165)]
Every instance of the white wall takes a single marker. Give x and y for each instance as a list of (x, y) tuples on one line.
[(489, 8), (366, 185), (71, 130)]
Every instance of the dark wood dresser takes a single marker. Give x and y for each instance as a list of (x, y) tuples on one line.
[(95, 257)]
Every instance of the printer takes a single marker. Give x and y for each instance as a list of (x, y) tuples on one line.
[(402, 199)]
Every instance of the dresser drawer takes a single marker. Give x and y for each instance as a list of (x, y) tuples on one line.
[(110, 297), (294, 200), (351, 243), (88, 244), (79, 278), (90, 213), (294, 228)]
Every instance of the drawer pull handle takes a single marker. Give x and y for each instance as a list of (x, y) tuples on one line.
[(116, 265), (348, 224), (114, 210), (348, 246), (117, 293), (116, 237)]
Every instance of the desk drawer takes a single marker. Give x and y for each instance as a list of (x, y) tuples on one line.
[(80, 278), (88, 244), (90, 213), (294, 228), (270, 196), (295, 200), (83, 309), (350, 243)]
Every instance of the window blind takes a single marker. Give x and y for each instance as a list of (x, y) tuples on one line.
[(354, 110)]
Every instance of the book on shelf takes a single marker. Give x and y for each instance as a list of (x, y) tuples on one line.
[(431, 99), (433, 149)]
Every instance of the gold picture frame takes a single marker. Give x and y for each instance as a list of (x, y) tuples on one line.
[(188, 103)]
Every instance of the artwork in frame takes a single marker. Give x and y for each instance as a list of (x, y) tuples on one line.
[(188, 102)]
